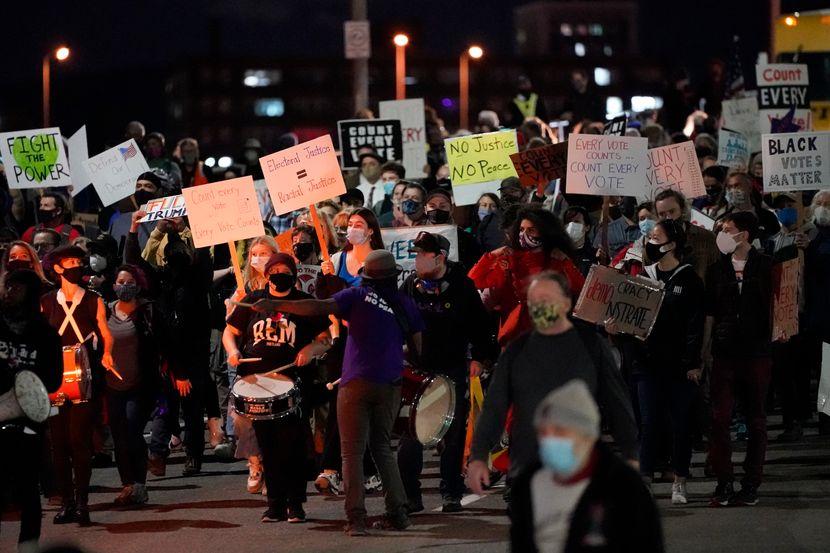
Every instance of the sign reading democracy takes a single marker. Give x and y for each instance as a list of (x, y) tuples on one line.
[(384, 136), (733, 150), (222, 212), (674, 166), (785, 277), (607, 166), (782, 86), (796, 161), (303, 175), (413, 126), (741, 115), (34, 158), (539, 166), (113, 172), (479, 162), (164, 208), (631, 301), (398, 241)]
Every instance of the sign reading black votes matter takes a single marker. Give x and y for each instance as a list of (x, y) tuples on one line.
[(796, 161), (384, 136), (631, 301)]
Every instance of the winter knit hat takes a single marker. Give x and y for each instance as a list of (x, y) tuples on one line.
[(571, 406)]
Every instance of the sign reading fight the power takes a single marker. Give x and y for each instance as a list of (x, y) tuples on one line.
[(34, 158)]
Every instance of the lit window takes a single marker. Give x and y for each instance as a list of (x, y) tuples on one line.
[(269, 107), (579, 49), (566, 29), (607, 50), (595, 29), (613, 107), (254, 78), (642, 103), (602, 76)]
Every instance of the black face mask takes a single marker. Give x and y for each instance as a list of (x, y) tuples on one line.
[(142, 197), (303, 249), (438, 216), (713, 192), (614, 212), (653, 251), (283, 282), (18, 264), (73, 275), (46, 215)]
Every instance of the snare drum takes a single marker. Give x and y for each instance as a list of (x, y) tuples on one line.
[(77, 377), (427, 407), (266, 396)]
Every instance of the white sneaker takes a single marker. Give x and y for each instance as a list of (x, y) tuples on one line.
[(254, 474), (329, 483), (373, 484), (678, 492)]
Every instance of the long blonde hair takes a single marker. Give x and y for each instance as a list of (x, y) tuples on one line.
[(37, 266), (253, 279)]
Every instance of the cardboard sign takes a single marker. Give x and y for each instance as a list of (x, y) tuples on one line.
[(782, 86), (411, 115), (785, 278), (34, 158), (114, 171), (382, 135), (479, 162), (700, 219), (356, 40), (398, 241), (608, 165), (733, 150), (741, 115), (303, 175), (222, 212), (796, 161), (616, 126), (823, 404), (164, 208), (632, 301), (674, 166), (307, 277), (78, 154), (539, 166)]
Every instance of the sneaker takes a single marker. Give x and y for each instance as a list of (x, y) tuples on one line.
[(390, 522), (140, 495), (156, 465), (65, 515), (175, 443), (793, 434), (414, 506), (748, 496), (296, 515), (125, 497), (225, 450), (353, 529), (255, 481), (373, 484), (274, 515), (329, 483), (217, 436), (678, 492), (723, 495), (451, 505), (192, 466)]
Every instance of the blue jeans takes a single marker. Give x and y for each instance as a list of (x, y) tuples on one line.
[(129, 412)]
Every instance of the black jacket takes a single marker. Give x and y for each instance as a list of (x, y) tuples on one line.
[(742, 318), (615, 513), (150, 328)]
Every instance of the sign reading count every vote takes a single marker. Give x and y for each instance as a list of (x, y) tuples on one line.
[(604, 165)]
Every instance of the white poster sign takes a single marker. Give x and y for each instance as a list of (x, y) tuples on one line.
[(398, 241), (782, 87), (741, 115), (34, 158), (114, 171), (78, 154), (796, 161), (413, 127), (733, 150), (605, 165)]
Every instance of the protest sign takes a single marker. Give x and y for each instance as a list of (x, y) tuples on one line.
[(114, 171), (539, 166), (78, 154), (34, 158), (632, 301), (307, 277), (616, 126), (163, 208), (608, 166), (479, 162), (741, 115), (285, 241), (795, 161), (823, 404), (411, 115), (223, 211), (782, 86), (674, 166), (702, 220), (785, 278), (733, 150), (303, 175), (384, 136), (398, 241)]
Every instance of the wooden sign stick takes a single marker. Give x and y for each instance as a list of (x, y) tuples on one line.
[(237, 269), (324, 249)]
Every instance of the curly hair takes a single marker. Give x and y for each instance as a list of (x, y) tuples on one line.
[(551, 232)]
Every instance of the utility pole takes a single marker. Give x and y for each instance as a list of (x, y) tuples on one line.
[(360, 67)]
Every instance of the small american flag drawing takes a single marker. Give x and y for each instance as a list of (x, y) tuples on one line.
[(127, 153)]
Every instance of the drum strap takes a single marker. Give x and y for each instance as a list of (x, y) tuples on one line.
[(70, 319)]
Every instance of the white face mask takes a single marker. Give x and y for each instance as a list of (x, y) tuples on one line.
[(575, 230), (356, 236), (97, 262), (258, 262), (821, 215), (726, 242)]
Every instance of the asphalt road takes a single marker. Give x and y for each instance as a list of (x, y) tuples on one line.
[(213, 512)]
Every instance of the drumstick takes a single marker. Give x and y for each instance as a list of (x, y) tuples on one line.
[(331, 385), (241, 304), (280, 369), (251, 360)]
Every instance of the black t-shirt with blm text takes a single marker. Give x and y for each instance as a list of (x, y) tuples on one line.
[(276, 338)]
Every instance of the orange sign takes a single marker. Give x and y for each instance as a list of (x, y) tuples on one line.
[(223, 211)]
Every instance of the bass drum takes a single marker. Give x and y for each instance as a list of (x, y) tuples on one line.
[(427, 407)]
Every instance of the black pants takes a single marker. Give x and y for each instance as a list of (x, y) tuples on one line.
[(71, 431), (331, 459), (19, 467), (283, 443), (166, 420), (411, 452), (791, 378), (128, 414)]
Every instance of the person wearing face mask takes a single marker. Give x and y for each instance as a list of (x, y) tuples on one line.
[(277, 339), (455, 320), (102, 261), (737, 339), (80, 318), (556, 351), (741, 196), (362, 237), (187, 153), (487, 222), (52, 214), (157, 158), (20, 255), (709, 204), (630, 259), (579, 493), (702, 250), (391, 173), (511, 192), (412, 206), (369, 178), (45, 240), (27, 342), (439, 211), (578, 225), (306, 250), (135, 327), (148, 187), (816, 291), (394, 214), (621, 229)]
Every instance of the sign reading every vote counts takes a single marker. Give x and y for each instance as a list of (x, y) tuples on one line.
[(605, 165)]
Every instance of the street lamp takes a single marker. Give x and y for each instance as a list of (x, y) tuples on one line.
[(61, 54), (400, 40), (473, 52)]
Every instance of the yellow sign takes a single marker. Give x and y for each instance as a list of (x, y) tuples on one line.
[(480, 159)]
